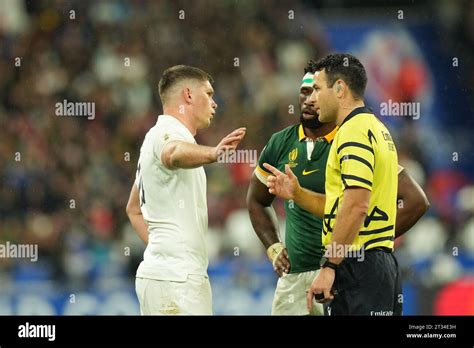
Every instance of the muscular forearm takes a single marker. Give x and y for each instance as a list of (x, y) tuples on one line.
[(134, 213), (407, 217), (140, 226), (345, 230), (350, 217), (412, 203), (264, 222), (262, 214), (311, 201), (186, 155)]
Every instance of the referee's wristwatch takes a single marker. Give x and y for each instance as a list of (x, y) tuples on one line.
[(326, 263)]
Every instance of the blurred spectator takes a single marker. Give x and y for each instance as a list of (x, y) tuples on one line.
[(66, 180)]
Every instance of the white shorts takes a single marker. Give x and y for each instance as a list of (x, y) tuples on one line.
[(290, 295), (164, 297)]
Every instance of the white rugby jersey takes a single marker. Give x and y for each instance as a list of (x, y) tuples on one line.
[(173, 203)]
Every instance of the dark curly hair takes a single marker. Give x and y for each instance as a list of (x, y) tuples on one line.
[(311, 67), (346, 67)]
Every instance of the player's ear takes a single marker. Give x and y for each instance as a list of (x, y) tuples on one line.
[(339, 87), (187, 95)]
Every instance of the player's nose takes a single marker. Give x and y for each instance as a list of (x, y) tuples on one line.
[(312, 98), (308, 101)]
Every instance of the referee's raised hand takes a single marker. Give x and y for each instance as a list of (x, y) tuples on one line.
[(285, 186)]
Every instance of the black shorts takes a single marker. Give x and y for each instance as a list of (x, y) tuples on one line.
[(368, 287)]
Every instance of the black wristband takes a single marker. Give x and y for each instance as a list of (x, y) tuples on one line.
[(330, 264)]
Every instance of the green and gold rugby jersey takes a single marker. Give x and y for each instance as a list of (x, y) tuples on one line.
[(363, 155), (307, 160)]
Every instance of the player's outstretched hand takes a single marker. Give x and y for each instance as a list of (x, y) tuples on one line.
[(285, 186), (230, 142)]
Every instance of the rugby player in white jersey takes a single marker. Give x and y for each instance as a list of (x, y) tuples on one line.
[(167, 205)]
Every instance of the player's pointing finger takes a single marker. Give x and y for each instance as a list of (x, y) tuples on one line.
[(272, 169)]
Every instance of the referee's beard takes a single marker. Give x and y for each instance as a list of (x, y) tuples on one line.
[(312, 123)]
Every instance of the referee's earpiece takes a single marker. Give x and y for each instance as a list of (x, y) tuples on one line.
[(338, 87)]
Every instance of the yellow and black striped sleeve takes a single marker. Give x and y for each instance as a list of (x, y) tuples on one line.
[(356, 156)]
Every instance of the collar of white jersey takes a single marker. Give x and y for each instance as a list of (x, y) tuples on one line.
[(175, 120)]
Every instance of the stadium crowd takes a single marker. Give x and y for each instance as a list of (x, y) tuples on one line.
[(66, 180)]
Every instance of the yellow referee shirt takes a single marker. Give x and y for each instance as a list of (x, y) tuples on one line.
[(363, 154)]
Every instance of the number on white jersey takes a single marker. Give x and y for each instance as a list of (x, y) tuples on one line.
[(141, 189)]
